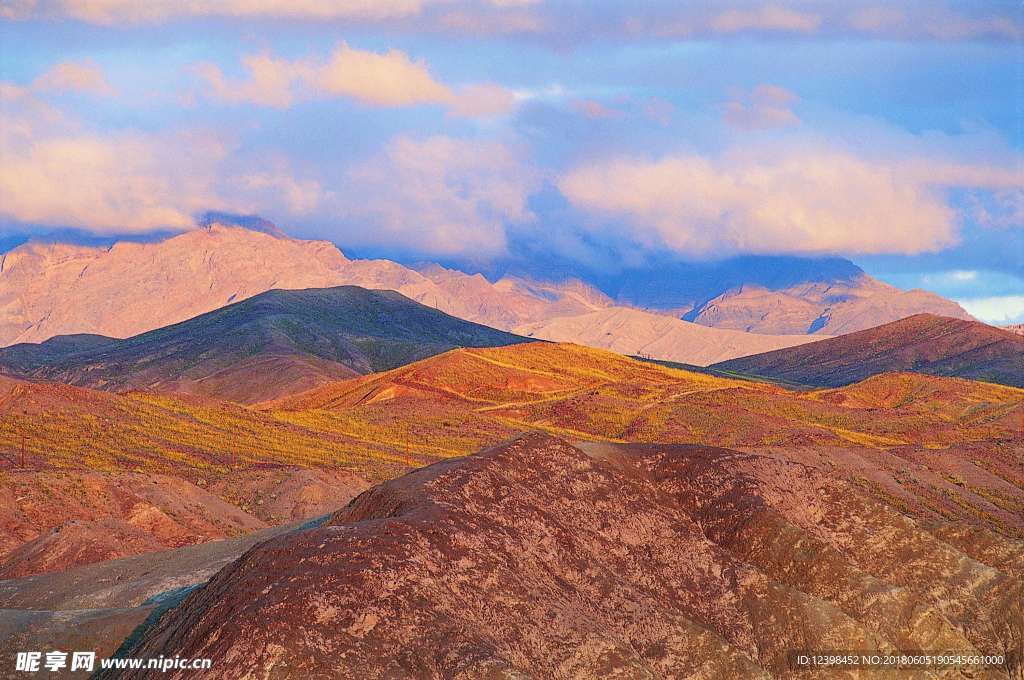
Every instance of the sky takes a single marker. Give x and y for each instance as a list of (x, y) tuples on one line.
[(603, 134)]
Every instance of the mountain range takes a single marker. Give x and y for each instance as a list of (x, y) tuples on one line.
[(127, 288), (266, 346), (923, 343)]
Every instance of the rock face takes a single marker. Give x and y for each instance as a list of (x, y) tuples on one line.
[(53, 521), (130, 288), (824, 308), (48, 290), (923, 343), (635, 332), (540, 559), (272, 344)]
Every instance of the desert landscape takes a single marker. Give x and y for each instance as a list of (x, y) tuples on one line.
[(511, 339)]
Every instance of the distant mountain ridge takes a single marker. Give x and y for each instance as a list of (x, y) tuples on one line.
[(923, 343), (636, 332), (271, 344), (130, 287)]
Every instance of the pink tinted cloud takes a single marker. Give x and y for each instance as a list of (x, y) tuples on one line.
[(386, 79), (767, 106), (805, 200), (70, 76), (439, 195)]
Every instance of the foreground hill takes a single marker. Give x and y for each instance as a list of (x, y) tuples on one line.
[(922, 343), (474, 396), (89, 475), (272, 344), (538, 558), (635, 332)]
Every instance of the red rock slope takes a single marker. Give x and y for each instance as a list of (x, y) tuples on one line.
[(538, 559)]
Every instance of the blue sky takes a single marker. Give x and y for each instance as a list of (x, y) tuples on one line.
[(606, 134)]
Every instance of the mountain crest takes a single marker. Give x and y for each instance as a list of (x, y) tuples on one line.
[(255, 223)]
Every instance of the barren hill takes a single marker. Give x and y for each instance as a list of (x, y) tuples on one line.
[(632, 331), (821, 307), (923, 343), (266, 346), (540, 558)]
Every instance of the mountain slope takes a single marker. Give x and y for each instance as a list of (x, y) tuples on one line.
[(129, 288), (266, 346), (632, 331), (924, 343), (825, 307), (538, 558)]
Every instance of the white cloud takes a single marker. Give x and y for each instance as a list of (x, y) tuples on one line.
[(387, 79), (796, 200), (56, 172), (438, 195), (765, 18), (766, 106), (154, 11), (1003, 309), (77, 77)]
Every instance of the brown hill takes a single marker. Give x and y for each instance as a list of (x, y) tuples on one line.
[(266, 346), (537, 558), (92, 456), (923, 343), (460, 401)]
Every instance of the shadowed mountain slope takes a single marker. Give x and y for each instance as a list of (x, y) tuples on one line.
[(923, 343), (269, 345), (540, 559)]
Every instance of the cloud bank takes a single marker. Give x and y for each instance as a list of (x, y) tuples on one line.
[(941, 20), (387, 79), (813, 201)]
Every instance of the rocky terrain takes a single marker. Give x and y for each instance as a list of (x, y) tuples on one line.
[(537, 558), (825, 308), (923, 343), (266, 346), (635, 332), (53, 289), (130, 288), (90, 475)]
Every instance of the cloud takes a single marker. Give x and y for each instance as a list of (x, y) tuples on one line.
[(595, 110), (154, 11), (809, 200), (1001, 309), (58, 172), (766, 18), (767, 106), (54, 172), (70, 76), (388, 79), (571, 23), (483, 100), (438, 195)]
